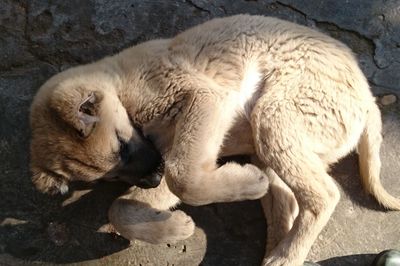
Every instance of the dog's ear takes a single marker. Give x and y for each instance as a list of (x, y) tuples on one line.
[(50, 183), (78, 107)]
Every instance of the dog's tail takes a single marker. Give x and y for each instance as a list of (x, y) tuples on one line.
[(369, 160)]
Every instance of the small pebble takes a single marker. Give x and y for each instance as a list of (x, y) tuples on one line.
[(388, 99)]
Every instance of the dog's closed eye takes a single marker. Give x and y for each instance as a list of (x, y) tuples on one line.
[(123, 150)]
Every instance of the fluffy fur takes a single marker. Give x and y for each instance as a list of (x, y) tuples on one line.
[(292, 97)]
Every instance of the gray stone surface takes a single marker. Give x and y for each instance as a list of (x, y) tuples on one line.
[(41, 37)]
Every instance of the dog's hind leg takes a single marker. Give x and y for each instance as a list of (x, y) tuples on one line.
[(144, 214), (279, 205), (283, 145), (280, 209), (317, 196)]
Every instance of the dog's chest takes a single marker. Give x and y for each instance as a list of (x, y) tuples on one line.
[(249, 90)]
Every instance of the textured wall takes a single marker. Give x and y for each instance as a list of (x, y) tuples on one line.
[(39, 38)]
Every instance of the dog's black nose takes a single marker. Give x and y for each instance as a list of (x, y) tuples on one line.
[(149, 182), (142, 154)]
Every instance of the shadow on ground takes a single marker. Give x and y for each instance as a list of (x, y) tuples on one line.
[(65, 229), (37, 228), (347, 175)]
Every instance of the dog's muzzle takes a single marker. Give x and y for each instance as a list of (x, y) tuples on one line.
[(149, 182), (142, 164)]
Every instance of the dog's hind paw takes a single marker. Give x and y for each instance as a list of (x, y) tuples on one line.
[(276, 262), (153, 226), (280, 261), (178, 227)]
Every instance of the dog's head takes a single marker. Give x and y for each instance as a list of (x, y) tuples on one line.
[(81, 131)]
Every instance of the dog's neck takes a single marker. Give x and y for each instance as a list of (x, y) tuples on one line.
[(145, 92)]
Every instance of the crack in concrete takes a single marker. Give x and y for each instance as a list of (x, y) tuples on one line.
[(359, 35), (190, 2), (221, 7), (393, 90), (293, 9)]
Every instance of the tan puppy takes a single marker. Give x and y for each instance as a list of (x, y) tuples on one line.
[(305, 99)]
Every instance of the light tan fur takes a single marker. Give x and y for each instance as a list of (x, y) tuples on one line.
[(291, 96)]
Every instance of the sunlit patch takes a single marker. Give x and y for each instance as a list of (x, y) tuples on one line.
[(12, 221), (75, 196)]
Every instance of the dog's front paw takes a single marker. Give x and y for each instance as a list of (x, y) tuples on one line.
[(256, 186)]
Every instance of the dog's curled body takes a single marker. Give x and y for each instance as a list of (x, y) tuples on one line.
[(296, 95)]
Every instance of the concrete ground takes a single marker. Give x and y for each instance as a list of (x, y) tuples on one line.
[(39, 38)]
